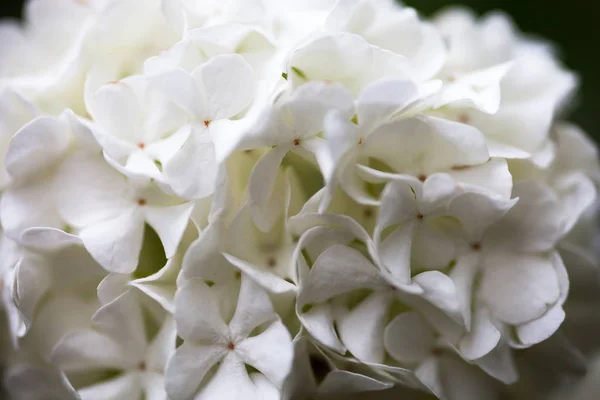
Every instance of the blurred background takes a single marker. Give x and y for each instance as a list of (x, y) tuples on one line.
[(572, 25)]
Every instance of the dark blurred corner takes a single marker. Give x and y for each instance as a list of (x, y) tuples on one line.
[(573, 25)]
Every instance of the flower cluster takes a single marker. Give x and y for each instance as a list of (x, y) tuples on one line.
[(283, 199)]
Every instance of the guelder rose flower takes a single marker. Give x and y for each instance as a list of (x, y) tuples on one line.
[(289, 199), (119, 343), (209, 340)]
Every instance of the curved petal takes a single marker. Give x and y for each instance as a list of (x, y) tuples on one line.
[(253, 309), (116, 243), (192, 171), (127, 386), (37, 147), (361, 329), (408, 338), (170, 224), (28, 206), (518, 288), (89, 190), (87, 350), (339, 270), (194, 324), (271, 352), (265, 205), (230, 382), (228, 83), (123, 321), (188, 367)]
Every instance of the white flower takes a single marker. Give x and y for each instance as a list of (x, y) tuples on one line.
[(346, 58), (110, 214), (120, 343), (209, 340), (55, 292), (529, 100), (395, 193), (138, 127), (34, 155), (211, 94), (385, 24)]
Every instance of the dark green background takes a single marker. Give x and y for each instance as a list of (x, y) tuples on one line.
[(573, 25)]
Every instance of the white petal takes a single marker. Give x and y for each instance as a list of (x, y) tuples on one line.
[(112, 286), (90, 191), (47, 239), (116, 243), (123, 321), (49, 384), (427, 237), (162, 346), (161, 286), (194, 324), (253, 309), (319, 322), (577, 193), (266, 279), (38, 146), (482, 339), (116, 108), (408, 338), (192, 172), (27, 207), (228, 82), (154, 386), (493, 177), (361, 330), (518, 288), (188, 367), (462, 381), (395, 252), (170, 224), (261, 186), (127, 386), (343, 266), (88, 350), (311, 103), (342, 136), (230, 382), (439, 290), (380, 100), (346, 54), (181, 88), (477, 212), (271, 352), (500, 364), (340, 382), (541, 329), (534, 224)]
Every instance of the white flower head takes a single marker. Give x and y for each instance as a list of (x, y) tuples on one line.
[(282, 199)]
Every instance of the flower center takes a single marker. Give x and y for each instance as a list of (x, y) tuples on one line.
[(420, 216), (142, 366), (231, 346), (422, 178), (207, 123), (141, 145), (476, 246), (142, 202), (464, 118), (296, 142)]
